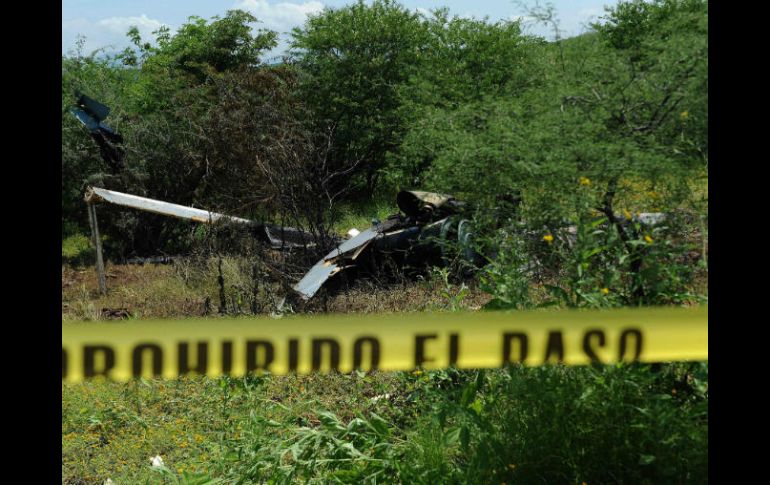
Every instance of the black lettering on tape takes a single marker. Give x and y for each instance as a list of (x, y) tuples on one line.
[(251, 355), (419, 348), (374, 352), (137, 359), (454, 348), (636, 334), (334, 353), (591, 335), (521, 338), (555, 346), (201, 361), (89, 360), (293, 354), (227, 357)]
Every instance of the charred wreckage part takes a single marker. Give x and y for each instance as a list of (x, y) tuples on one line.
[(412, 238), (92, 114)]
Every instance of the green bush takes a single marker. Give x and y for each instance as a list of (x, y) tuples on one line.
[(76, 250), (613, 424)]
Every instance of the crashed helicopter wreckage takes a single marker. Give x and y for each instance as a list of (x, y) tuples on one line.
[(417, 236), (411, 238)]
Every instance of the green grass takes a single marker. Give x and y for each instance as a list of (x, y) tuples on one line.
[(611, 424)]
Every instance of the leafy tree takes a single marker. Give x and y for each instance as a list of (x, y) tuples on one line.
[(466, 64), (467, 59), (353, 60)]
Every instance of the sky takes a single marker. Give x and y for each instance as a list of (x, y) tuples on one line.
[(104, 23)]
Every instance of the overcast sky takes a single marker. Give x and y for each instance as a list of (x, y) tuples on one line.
[(104, 23)]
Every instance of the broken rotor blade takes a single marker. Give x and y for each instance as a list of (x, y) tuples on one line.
[(278, 237), (96, 194), (93, 107)]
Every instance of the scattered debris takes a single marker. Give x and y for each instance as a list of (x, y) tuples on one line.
[(115, 313), (385, 396), (91, 114), (162, 259), (157, 462)]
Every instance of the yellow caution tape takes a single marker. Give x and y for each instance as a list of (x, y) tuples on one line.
[(168, 349)]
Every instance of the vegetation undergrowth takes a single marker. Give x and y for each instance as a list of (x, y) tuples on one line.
[(554, 424)]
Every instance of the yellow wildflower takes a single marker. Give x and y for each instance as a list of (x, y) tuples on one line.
[(584, 181), (605, 290), (684, 115), (511, 466), (648, 239), (627, 214), (548, 238)]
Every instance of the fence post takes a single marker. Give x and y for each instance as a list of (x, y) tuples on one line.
[(98, 244)]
